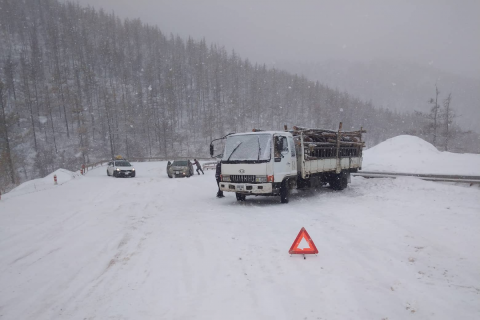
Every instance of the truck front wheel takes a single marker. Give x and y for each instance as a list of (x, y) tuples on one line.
[(339, 181), (240, 197), (284, 192)]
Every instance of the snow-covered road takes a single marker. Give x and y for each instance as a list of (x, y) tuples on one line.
[(156, 248)]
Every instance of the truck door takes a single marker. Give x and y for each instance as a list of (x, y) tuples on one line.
[(282, 158), (291, 145)]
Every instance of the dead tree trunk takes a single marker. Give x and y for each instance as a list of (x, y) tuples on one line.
[(5, 132), (435, 116), (449, 115)]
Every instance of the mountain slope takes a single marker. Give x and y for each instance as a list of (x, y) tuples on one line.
[(81, 85), (396, 85)]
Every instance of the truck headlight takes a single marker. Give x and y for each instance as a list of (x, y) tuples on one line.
[(226, 178), (133, 169), (261, 179), (118, 169)]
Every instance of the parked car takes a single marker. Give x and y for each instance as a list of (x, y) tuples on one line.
[(180, 168), (120, 168)]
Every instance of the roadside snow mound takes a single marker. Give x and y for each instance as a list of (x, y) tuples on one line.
[(63, 176), (410, 154), (404, 145)]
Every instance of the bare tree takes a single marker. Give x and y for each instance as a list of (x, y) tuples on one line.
[(7, 153), (448, 117), (434, 114)]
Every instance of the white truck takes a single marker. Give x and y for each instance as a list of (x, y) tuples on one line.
[(271, 163)]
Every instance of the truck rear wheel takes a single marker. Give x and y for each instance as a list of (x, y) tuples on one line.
[(284, 192), (240, 196), (339, 181)]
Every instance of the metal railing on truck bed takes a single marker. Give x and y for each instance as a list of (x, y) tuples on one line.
[(312, 153), (327, 150)]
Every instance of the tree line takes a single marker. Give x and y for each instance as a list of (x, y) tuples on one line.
[(78, 85), (439, 126)]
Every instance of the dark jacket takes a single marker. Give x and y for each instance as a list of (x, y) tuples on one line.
[(198, 164), (218, 170)]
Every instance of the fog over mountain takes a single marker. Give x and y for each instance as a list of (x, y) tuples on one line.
[(391, 53), (397, 85), (441, 33)]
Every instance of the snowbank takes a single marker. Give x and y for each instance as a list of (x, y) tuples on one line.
[(63, 176), (410, 154), (151, 247)]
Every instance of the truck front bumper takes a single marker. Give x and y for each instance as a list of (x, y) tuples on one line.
[(247, 188)]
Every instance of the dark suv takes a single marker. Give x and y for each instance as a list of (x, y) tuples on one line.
[(180, 168)]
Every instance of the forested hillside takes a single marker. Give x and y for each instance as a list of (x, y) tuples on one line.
[(397, 85), (78, 85)]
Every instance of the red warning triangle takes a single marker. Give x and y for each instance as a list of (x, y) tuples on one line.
[(303, 244)]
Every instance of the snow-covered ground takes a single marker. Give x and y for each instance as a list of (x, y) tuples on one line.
[(410, 154), (35, 185), (151, 247)]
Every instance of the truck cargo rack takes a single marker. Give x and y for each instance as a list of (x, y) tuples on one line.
[(324, 144)]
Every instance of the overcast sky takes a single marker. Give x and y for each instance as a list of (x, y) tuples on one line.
[(445, 34)]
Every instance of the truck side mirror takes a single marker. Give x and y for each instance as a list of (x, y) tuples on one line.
[(211, 150)]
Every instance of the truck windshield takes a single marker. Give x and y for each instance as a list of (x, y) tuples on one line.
[(122, 164), (248, 147)]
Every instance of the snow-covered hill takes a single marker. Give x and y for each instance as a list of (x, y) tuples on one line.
[(410, 154), (156, 248), (63, 176)]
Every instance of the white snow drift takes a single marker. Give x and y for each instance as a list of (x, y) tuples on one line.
[(151, 247), (410, 154), (35, 185)]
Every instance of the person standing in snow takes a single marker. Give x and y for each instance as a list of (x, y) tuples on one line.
[(199, 167), (218, 172)]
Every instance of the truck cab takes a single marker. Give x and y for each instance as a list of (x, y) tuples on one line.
[(259, 163)]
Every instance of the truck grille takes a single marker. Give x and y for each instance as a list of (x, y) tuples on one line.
[(242, 178)]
